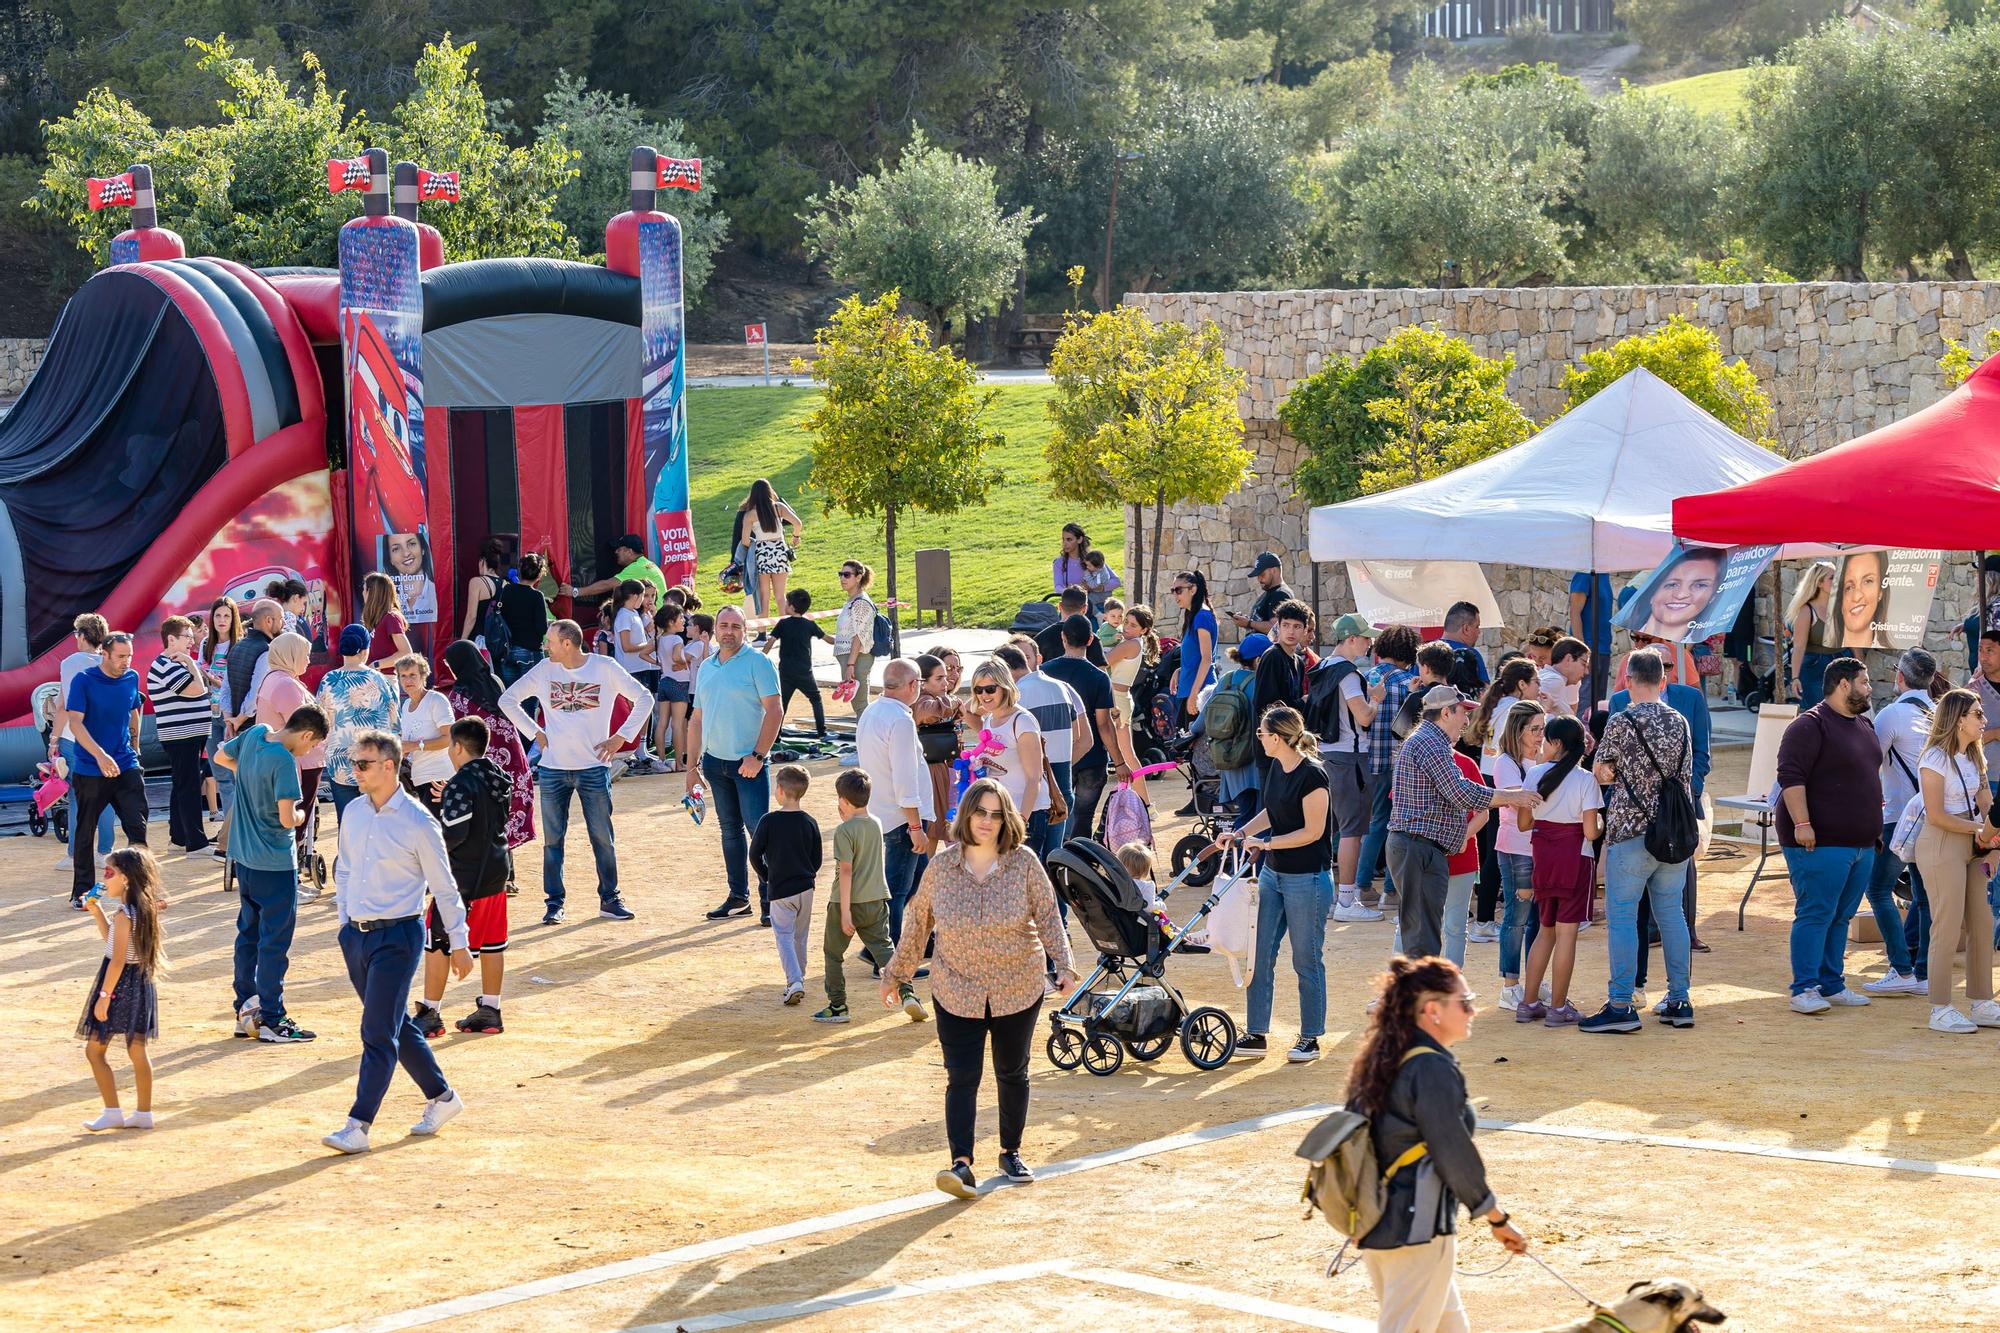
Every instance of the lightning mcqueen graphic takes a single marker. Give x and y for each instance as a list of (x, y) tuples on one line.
[(379, 432)]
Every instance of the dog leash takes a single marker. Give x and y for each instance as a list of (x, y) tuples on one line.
[(1579, 1293)]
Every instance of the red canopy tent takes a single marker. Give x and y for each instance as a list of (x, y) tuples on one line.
[(1931, 480)]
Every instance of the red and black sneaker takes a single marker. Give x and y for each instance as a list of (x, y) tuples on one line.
[(484, 1019), (429, 1021)]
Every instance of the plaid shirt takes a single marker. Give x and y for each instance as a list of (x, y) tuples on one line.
[(1430, 797), (1381, 739)]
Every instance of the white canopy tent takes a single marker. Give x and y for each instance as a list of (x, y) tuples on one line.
[(1593, 491)]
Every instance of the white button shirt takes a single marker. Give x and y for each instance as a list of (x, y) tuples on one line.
[(387, 859), (887, 748)]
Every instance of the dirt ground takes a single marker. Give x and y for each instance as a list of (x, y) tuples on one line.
[(651, 1093)]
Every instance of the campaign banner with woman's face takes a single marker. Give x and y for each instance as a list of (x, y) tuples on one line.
[(662, 331), (381, 336), (1697, 592), (1880, 599)]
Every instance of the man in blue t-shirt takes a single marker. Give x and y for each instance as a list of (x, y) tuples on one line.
[(730, 733), (1088, 771), (1590, 611), (265, 810), (104, 706)]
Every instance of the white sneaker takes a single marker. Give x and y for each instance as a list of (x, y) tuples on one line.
[(1944, 1018), (1354, 911), (1985, 1014), (1810, 1001), (438, 1112), (1510, 996), (1847, 997), (1638, 997), (139, 1120), (1896, 983), (1483, 932), (110, 1118), (349, 1138)]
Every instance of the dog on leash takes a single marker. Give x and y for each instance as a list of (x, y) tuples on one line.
[(1668, 1306)]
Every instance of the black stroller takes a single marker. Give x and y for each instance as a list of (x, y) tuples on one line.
[(1096, 1028), (1212, 814)]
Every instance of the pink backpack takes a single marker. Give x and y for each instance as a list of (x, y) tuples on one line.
[(1126, 818)]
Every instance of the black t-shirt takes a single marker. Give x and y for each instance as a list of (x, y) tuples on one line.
[(795, 635), (1050, 644), (1285, 800), (1094, 688), (526, 612), (1269, 601), (785, 851)]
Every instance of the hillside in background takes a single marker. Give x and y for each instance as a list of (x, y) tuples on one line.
[(1720, 92)]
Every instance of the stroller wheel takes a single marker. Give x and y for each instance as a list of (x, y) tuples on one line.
[(1754, 700), (1208, 1038), (62, 823), (1152, 1048), (38, 824), (1103, 1054), (1186, 851), (1151, 755), (1065, 1047)]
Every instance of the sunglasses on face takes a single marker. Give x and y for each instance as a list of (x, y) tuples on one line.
[(1180, 588), (363, 765), (1465, 1002), (987, 812), (986, 689)]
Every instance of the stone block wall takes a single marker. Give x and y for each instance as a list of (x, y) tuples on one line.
[(1837, 360), (19, 358)]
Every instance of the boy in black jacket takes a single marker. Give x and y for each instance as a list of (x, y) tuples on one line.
[(473, 810), (785, 853)]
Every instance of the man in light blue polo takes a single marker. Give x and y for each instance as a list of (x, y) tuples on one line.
[(735, 722)]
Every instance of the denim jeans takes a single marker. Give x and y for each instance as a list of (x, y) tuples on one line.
[(1457, 900), (899, 867), (1057, 830), (1630, 873), (267, 911), (1376, 839), (737, 803), (1299, 904), (1519, 920), (380, 966), (592, 786), (1827, 885), (1882, 901)]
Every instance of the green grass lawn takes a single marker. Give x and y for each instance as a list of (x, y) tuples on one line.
[(1000, 553), (1720, 92)]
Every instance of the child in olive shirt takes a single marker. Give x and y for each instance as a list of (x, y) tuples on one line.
[(861, 904), (785, 854)]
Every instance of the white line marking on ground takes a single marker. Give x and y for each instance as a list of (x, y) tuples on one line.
[(811, 1226), (874, 1212), (899, 1291), (1227, 1300)]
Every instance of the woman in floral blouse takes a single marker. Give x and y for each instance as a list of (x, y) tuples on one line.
[(355, 698), (998, 931)]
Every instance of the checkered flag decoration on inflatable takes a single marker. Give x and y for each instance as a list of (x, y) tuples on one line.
[(347, 173), (441, 185), (681, 172), (112, 192)]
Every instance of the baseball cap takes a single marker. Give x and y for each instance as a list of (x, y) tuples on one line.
[(1253, 647), (1268, 560), (353, 639), (1440, 697), (1351, 626), (631, 541)]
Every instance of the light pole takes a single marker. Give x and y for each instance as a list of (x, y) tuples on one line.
[(1118, 155)]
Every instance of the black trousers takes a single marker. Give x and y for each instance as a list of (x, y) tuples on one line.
[(1486, 894), (91, 795), (802, 682), (963, 1041), (1086, 790), (184, 826)]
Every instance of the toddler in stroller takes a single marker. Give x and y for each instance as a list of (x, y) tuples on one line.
[(1097, 1028)]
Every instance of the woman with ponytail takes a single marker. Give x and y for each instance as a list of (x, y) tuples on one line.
[(1294, 892), (1406, 1082), (1564, 874)]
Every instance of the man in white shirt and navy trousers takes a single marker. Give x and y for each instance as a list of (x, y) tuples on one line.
[(391, 850)]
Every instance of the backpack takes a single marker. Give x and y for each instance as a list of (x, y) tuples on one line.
[(1674, 831), (1126, 818), (1324, 714), (1343, 1180), (499, 639), (1229, 722), (879, 645)]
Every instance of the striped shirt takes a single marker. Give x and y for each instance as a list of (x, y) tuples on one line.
[(1431, 798), (176, 716)]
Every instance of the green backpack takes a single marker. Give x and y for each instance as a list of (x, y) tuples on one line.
[(1343, 1180), (1229, 722)]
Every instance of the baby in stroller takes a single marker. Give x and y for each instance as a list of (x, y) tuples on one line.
[(1134, 939)]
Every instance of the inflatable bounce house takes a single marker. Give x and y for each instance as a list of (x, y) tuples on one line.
[(198, 428)]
